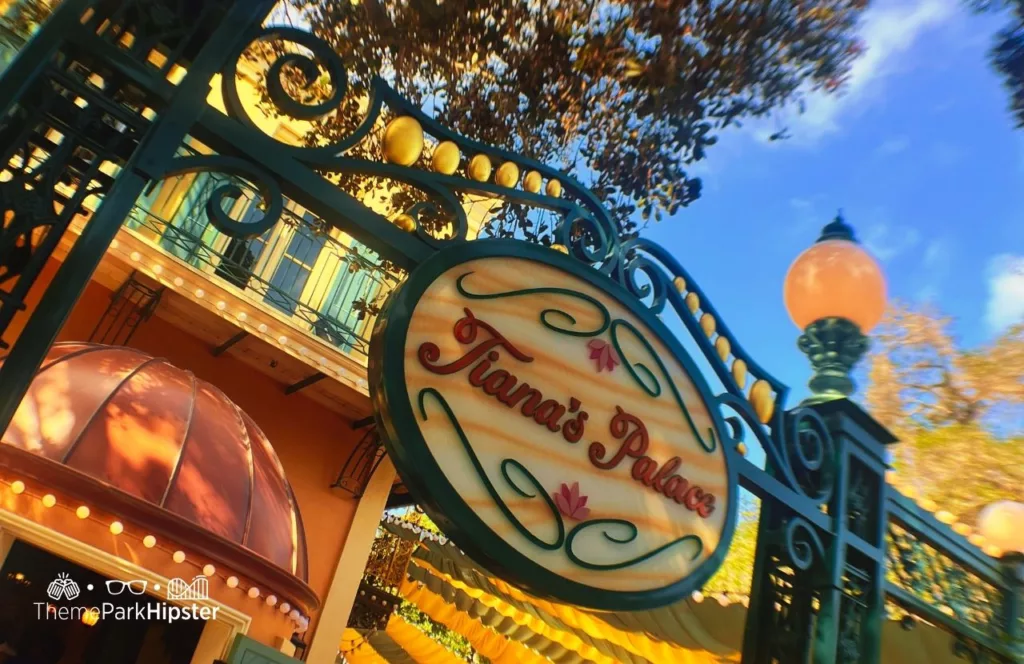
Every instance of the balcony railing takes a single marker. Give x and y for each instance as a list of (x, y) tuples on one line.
[(323, 281)]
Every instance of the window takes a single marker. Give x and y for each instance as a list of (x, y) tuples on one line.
[(340, 323), (183, 236), (240, 255), (290, 276)]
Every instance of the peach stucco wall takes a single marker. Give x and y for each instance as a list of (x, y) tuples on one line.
[(311, 441)]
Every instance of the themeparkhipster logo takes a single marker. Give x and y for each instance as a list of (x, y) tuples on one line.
[(64, 588)]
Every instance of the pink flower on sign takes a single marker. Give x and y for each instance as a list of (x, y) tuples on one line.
[(570, 502), (604, 354)]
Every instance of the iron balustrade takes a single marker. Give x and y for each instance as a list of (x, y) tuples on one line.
[(323, 282), (936, 575)]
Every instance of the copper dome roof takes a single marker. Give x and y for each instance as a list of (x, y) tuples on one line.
[(157, 433)]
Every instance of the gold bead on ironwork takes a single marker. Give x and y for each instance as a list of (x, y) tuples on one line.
[(507, 175), (762, 401), (739, 372), (479, 168), (707, 324), (961, 529), (406, 222), (532, 182), (446, 158), (723, 347), (403, 141)]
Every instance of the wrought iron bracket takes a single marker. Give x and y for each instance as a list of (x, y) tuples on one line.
[(361, 464), (305, 382), (362, 423), (223, 348), (132, 304)]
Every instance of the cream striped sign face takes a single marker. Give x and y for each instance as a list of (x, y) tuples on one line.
[(553, 428)]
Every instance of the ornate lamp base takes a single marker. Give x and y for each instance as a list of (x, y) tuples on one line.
[(834, 346)]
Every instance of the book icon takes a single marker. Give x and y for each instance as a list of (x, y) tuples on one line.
[(63, 587), (182, 590)]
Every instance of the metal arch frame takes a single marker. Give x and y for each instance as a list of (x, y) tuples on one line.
[(826, 506)]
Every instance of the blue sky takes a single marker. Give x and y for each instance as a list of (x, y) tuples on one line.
[(921, 155)]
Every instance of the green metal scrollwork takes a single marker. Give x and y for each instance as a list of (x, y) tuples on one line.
[(545, 315), (271, 196), (578, 206), (491, 490), (631, 535), (561, 540), (711, 443)]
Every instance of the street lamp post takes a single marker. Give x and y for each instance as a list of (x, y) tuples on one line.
[(835, 292)]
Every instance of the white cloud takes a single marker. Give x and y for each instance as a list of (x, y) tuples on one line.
[(887, 242), (1005, 292), (888, 30), (937, 255), (935, 267), (893, 146), (808, 216)]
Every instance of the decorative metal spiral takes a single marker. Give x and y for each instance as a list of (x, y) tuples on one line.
[(803, 544), (798, 444), (807, 452), (585, 225), (589, 239), (963, 649), (321, 55), (271, 196)]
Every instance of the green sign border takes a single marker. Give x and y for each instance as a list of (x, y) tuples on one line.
[(396, 420)]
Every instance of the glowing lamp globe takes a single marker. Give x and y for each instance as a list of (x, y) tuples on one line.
[(835, 293), (1002, 524), (835, 278)]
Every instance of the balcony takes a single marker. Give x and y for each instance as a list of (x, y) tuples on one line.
[(315, 278)]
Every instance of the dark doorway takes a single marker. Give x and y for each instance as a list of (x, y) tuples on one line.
[(42, 630)]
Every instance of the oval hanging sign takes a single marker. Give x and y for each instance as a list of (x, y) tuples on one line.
[(552, 427)]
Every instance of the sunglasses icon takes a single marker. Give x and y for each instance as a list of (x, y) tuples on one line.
[(136, 587)]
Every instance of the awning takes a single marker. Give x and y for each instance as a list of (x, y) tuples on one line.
[(138, 437), (509, 626)]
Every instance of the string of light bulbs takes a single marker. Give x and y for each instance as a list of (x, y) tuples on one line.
[(117, 528), (270, 333)]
